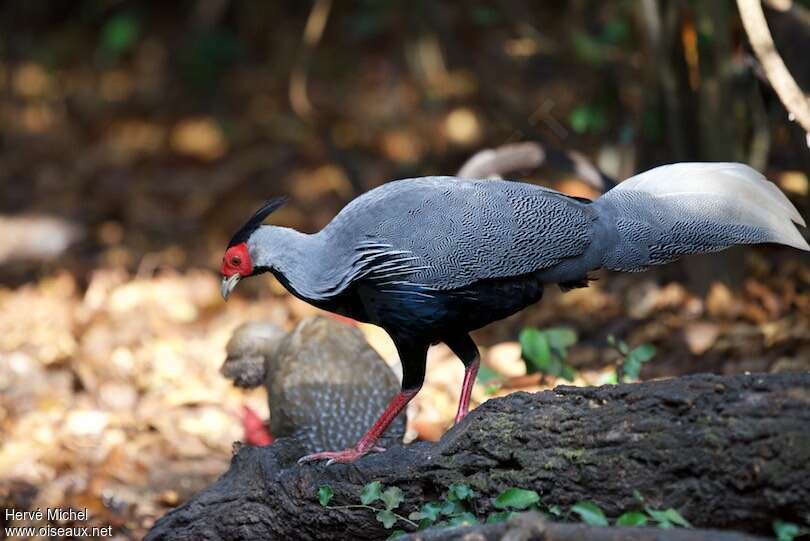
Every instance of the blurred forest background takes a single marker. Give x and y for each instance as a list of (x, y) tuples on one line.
[(136, 136)]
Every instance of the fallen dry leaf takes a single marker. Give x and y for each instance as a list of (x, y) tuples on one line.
[(701, 336)]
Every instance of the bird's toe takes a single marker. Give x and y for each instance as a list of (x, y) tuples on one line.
[(337, 457)]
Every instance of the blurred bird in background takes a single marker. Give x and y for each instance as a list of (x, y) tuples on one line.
[(325, 384)]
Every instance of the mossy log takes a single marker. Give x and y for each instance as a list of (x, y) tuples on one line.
[(730, 452)]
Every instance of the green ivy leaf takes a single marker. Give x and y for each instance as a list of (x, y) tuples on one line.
[(590, 513), (371, 493), (676, 518), (452, 508), (535, 349), (659, 517), (459, 492), (555, 510), (387, 518), (464, 519), (643, 353), (545, 351), (396, 534), (566, 372), (516, 498), (501, 516), (430, 511), (560, 339), (325, 494), (621, 345), (668, 518), (632, 518), (392, 497), (636, 358), (785, 531)]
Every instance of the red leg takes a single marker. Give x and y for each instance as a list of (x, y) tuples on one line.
[(366, 443), (470, 372), (465, 349)]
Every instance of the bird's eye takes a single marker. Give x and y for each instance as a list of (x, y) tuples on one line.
[(236, 261)]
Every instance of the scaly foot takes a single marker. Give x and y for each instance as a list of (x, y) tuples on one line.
[(345, 456), (462, 413)]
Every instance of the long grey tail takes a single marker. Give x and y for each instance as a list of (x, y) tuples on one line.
[(687, 208)]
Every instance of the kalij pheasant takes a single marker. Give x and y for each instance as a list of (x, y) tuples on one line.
[(311, 375), (430, 259)]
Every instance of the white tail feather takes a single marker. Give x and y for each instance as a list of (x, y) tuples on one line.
[(732, 192)]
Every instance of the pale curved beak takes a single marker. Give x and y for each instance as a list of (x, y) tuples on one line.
[(228, 283)]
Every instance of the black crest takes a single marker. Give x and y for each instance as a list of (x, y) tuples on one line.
[(256, 220)]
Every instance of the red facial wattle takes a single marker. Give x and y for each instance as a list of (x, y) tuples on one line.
[(237, 261)]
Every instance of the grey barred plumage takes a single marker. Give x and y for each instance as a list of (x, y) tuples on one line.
[(475, 231), (430, 259)]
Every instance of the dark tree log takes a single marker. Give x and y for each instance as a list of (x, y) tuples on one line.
[(727, 452)]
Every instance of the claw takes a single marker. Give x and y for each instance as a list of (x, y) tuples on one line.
[(346, 456)]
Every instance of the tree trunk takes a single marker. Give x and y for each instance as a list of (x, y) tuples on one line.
[(727, 452)]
